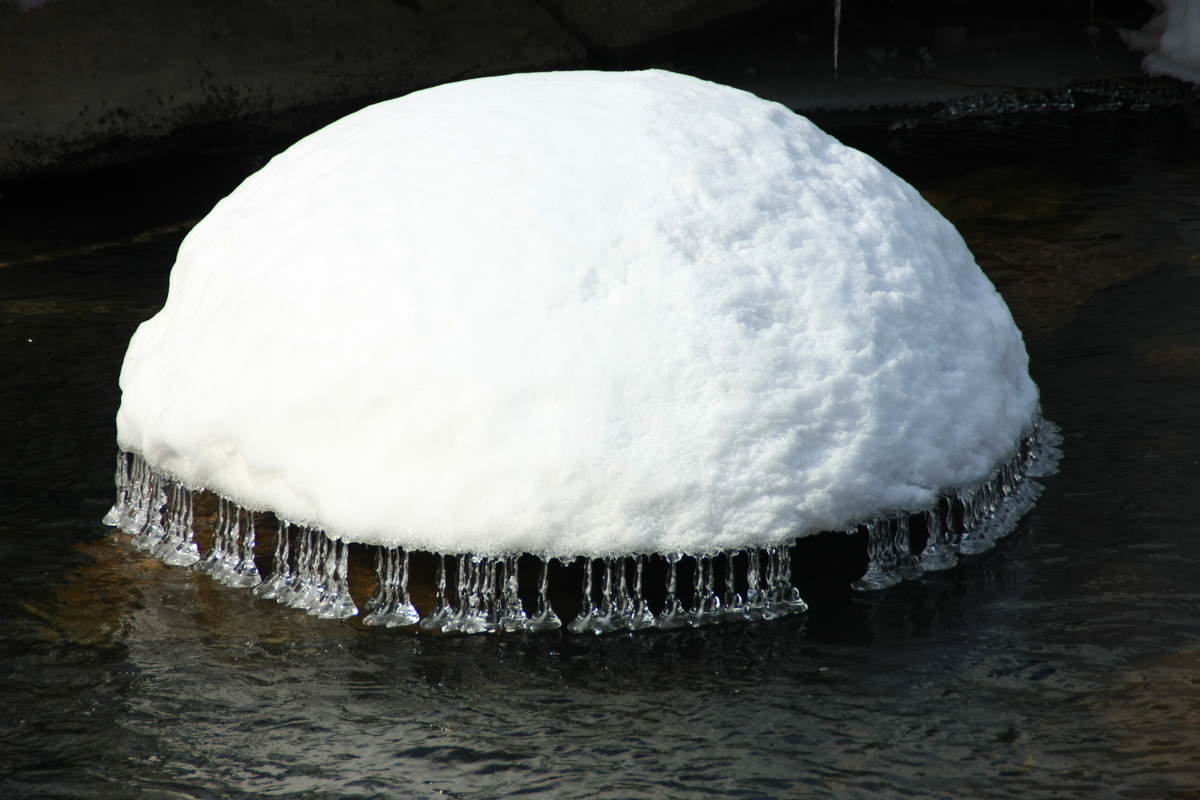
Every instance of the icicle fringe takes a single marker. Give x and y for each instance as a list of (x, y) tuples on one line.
[(311, 571)]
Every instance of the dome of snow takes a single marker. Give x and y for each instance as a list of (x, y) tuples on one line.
[(576, 314)]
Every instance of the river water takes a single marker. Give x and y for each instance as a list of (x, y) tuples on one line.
[(1064, 663)]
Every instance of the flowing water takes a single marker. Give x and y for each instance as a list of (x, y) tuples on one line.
[(1064, 662)]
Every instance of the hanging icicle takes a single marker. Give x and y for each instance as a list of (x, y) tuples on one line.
[(310, 571), (837, 32)]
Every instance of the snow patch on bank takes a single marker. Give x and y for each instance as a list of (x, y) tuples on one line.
[(1171, 40)]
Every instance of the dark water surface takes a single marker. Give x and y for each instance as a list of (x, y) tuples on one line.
[(1065, 663)]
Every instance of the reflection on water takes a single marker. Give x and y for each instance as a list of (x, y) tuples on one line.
[(1065, 662)]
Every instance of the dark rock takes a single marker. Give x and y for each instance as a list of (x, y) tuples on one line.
[(619, 24), (87, 82)]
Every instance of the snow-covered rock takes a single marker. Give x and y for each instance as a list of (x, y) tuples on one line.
[(576, 313)]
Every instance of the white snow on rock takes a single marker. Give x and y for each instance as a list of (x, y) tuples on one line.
[(1171, 40), (576, 313)]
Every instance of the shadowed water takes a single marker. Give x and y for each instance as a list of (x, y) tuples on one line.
[(1065, 662)]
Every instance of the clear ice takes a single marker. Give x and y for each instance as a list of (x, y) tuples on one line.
[(966, 522), (310, 570)]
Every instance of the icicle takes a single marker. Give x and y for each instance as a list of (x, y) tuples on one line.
[(608, 618), (474, 598), (383, 596), (281, 577), (491, 594), (454, 619), (443, 611), (629, 610), (706, 605), (735, 607), (881, 569), (122, 509), (244, 573), (789, 595), (622, 603), (143, 487), (544, 619), (485, 602), (992, 509), (301, 572), (309, 586), (311, 570), (177, 547), (137, 490), (580, 623), (608, 606), (837, 30), (224, 567), (755, 599), (291, 594), (327, 572), (230, 560), (404, 612), (512, 614), (673, 614), (953, 534), (125, 510), (771, 606), (337, 602), (973, 540), (780, 597), (150, 530), (161, 542), (324, 567), (466, 594), (940, 549), (696, 614), (462, 591), (1023, 498), (593, 618), (391, 606), (216, 549), (908, 566), (641, 617), (1016, 494), (1043, 448)]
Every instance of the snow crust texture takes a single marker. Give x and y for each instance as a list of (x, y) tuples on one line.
[(576, 314)]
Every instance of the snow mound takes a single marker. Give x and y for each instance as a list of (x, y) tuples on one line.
[(576, 314)]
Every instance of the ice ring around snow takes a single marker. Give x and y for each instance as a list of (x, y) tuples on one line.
[(577, 314)]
